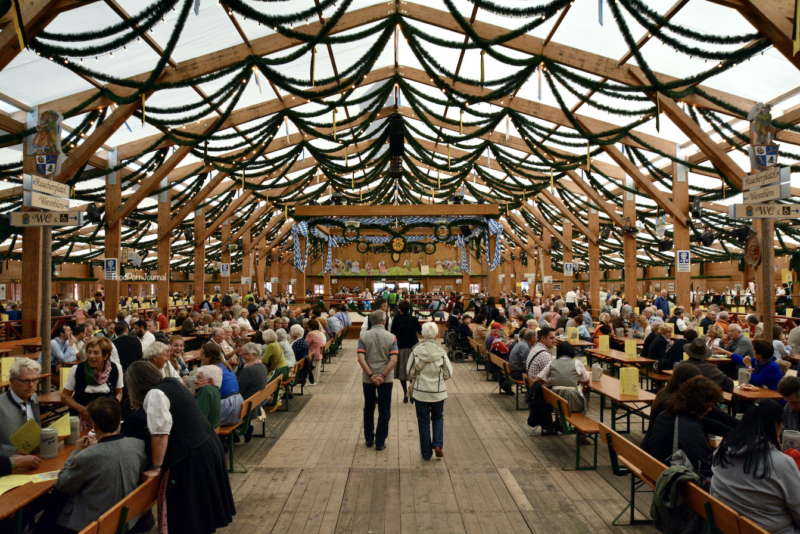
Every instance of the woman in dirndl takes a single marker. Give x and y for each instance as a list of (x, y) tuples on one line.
[(194, 495)]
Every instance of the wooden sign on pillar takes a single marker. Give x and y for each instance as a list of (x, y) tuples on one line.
[(680, 197), (225, 255), (198, 286)]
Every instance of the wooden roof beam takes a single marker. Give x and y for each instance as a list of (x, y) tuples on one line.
[(220, 59), (768, 18), (525, 228), (533, 210), (693, 131), (550, 198), (568, 56)]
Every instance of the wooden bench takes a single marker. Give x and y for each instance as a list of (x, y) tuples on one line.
[(573, 423), (245, 411), (721, 518), (519, 385), (653, 377), (138, 501), (480, 356), (499, 362), (289, 383), (326, 353)]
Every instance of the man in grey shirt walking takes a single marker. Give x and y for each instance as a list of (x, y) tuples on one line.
[(377, 356)]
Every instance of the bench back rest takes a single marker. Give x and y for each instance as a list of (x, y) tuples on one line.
[(137, 502), (91, 528), (725, 518), (648, 465), (258, 398), (747, 526), (475, 345), (557, 401)]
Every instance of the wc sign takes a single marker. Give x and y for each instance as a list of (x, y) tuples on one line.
[(111, 268)]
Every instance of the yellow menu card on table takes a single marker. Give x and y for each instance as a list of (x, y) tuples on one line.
[(603, 343), (27, 437), (5, 366), (629, 381), (62, 425), (572, 334), (63, 374), (630, 348)]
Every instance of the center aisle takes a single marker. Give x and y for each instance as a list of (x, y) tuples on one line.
[(319, 476)]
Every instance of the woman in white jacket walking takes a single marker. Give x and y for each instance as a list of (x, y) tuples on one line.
[(428, 367)]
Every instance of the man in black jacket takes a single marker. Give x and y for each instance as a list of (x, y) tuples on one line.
[(698, 353), (128, 347)]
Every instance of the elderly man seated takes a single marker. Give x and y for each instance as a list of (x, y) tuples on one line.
[(17, 406)]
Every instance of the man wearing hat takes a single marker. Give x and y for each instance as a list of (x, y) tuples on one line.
[(698, 353)]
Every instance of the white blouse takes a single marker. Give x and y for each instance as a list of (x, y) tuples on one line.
[(159, 418)]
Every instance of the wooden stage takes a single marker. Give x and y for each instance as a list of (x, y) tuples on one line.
[(319, 476)]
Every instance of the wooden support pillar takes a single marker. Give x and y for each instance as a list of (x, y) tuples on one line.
[(492, 276), (765, 275), (225, 256), (31, 282), (629, 242), (113, 239), (680, 197), (299, 288), (31, 257), (164, 214), (547, 264), (594, 262), (198, 286), (247, 263), (261, 266), (566, 230)]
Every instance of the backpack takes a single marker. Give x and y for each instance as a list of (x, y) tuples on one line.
[(541, 412), (392, 298)]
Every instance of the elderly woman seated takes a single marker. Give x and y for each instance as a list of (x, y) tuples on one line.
[(206, 393), (244, 324), (252, 379), (158, 354), (97, 377), (230, 398), (275, 361), (288, 352)]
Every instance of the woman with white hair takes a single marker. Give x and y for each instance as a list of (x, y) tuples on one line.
[(300, 348), (252, 379), (288, 352), (428, 368), (244, 324), (206, 392)]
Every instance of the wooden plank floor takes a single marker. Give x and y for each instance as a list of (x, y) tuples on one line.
[(319, 477)]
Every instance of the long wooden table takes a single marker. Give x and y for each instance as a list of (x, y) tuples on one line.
[(13, 502), (608, 386), (617, 356)]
